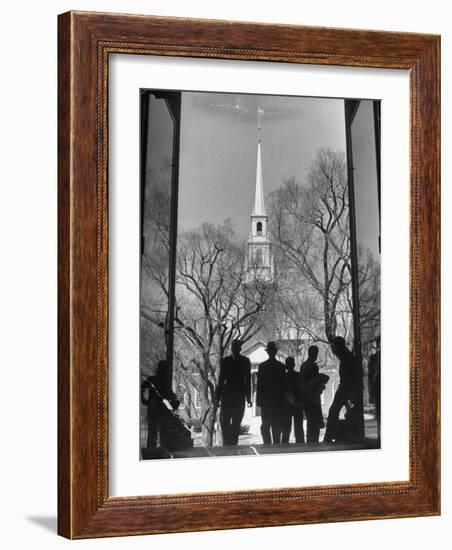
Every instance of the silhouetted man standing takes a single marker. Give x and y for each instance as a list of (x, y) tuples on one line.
[(160, 399), (349, 392), (234, 386), (269, 396), (312, 384), (292, 404)]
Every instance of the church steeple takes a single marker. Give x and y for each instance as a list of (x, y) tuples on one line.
[(259, 258)]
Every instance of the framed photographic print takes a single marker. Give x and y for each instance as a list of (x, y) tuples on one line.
[(248, 275)]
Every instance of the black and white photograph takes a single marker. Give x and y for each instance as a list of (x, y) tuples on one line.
[(260, 274)]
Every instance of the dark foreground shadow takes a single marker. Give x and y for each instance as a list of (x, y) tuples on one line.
[(49, 523)]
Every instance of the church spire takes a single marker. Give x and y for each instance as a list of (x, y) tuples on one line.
[(259, 257), (259, 207)]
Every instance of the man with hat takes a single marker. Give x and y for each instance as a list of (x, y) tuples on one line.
[(270, 396)]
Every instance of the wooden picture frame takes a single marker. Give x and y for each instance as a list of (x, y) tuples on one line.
[(86, 40)]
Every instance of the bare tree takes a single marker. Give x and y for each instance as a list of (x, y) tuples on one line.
[(296, 316), (215, 303), (219, 297), (309, 223)]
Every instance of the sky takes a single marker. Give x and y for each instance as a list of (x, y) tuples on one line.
[(218, 150)]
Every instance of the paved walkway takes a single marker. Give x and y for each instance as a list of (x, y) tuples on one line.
[(250, 444), (253, 437)]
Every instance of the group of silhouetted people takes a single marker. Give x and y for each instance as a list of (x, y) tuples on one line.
[(287, 397), (283, 395)]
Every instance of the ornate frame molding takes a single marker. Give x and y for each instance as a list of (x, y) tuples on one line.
[(85, 42)]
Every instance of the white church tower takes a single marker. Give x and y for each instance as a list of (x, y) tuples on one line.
[(259, 256)]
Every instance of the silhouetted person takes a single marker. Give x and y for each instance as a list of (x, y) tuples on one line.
[(292, 407), (374, 378), (269, 396), (312, 384), (348, 393), (159, 401), (234, 387)]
